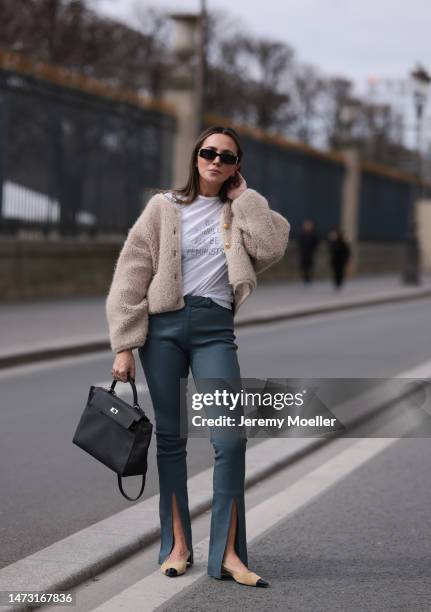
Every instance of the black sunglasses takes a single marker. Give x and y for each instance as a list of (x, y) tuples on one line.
[(225, 158)]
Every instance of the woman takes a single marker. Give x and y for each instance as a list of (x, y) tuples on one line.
[(339, 255), (188, 263), (308, 242)]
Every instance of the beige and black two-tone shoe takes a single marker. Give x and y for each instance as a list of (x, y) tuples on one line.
[(175, 568), (247, 578)]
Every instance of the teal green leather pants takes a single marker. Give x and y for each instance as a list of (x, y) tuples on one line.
[(199, 336)]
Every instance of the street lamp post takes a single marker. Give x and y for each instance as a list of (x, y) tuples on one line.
[(3, 143), (348, 115), (201, 66), (183, 90), (350, 145), (411, 276)]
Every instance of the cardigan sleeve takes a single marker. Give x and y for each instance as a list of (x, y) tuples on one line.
[(126, 303), (265, 232)]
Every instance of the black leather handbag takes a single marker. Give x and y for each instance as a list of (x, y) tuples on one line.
[(116, 433)]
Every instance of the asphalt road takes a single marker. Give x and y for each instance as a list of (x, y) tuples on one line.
[(363, 545), (344, 528), (51, 489)]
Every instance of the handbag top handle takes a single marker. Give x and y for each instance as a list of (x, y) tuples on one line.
[(132, 384)]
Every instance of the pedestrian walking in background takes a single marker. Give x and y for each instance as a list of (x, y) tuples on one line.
[(308, 242), (187, 265), (339, 255)]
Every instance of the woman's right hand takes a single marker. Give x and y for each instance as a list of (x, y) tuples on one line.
[(238, 185), (124, 364)]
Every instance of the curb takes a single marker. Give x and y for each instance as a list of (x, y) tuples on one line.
[(79, 557), (47, 353)]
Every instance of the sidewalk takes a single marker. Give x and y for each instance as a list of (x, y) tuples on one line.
[(53, 328)]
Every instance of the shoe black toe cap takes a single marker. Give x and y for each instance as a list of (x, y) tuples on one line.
[(262, 583), (171, 571)]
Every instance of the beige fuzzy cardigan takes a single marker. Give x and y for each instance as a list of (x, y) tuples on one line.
[(147, 278)]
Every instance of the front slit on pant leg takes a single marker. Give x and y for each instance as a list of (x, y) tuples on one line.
[(173, 481), (229, 476)]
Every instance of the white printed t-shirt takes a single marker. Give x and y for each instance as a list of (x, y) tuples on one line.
[(203, 260)]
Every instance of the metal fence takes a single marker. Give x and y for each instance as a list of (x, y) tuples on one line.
[(298, 183), (384, 207), (75, 162), (304, 183)]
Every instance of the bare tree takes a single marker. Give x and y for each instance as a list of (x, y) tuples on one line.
[(70, 34), (245, 75), (269, 63), (154, 28), (307, 90), (226, 68), (336, 92), (249, 79)]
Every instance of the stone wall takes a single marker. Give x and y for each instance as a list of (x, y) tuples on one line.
[(373, 258), (55, 268), (31, 269)]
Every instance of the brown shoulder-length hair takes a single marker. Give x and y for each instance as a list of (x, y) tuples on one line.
[(190, 191)]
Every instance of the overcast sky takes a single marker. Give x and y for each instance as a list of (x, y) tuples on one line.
[(356, 39), (383, 39)]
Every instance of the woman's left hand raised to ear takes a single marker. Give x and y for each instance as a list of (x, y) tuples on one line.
[(237, 187)]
